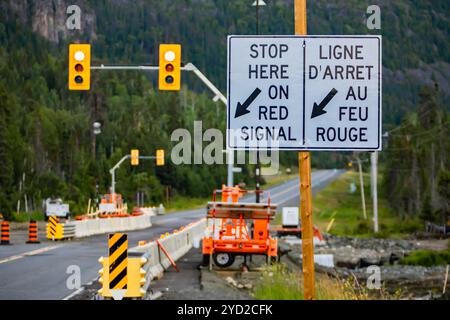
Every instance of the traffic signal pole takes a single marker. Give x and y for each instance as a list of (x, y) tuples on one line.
[(304, 159), (112, 171)]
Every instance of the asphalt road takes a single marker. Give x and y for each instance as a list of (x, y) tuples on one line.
[(39, 271)]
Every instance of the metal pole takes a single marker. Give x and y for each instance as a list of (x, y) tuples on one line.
[(258, 164), (113, 172), (374, 163), (361, 185), (113, 182), (258, 177), (304, 159), (230, 160), (221, 97)]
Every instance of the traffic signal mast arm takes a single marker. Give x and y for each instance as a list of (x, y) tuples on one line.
[(188, 67)]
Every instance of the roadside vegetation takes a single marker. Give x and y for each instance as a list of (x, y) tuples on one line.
[(185, 203), (337, 202), (278, 283), (24, 217), (427, 258), (47, 144)]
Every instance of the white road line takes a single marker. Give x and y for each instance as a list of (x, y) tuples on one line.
[(29, 253), (73, 294)]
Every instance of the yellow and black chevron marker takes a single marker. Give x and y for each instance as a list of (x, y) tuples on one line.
[(52, 224), (54, 228), (118, 261)]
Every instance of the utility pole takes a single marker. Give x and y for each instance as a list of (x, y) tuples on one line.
[(361, 185), (304, 159), (373, 176)]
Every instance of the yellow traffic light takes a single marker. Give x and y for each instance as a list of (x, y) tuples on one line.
[(169, 67), (137, 277), (79, 67), (350, 164), (135, 157), (104, 277), (160, 157)]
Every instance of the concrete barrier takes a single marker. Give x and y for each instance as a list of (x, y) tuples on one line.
[(85, 228), (176, 244)]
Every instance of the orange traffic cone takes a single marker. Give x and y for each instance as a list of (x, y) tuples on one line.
[(5, 233), (33, 233)]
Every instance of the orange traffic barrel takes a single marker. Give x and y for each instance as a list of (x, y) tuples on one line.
[(33, 232), (5, 233)]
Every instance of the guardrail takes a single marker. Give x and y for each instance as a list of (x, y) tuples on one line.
[(59, 231), (152, 259), (436, 228)]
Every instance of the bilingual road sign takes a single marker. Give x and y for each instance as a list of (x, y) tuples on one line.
[(304, 93)]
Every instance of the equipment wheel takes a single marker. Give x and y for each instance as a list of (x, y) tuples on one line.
[(223, 259)]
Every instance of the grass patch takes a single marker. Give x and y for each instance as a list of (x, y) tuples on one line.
[(427, 258), (336, 201), (278, 283), (24, 217), (177, 203)]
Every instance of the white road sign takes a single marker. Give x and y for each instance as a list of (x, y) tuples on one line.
[(304, 92)]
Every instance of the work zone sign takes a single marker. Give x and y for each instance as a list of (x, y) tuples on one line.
[(304, 92)]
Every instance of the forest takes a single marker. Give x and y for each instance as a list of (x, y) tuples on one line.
[(48, 147)]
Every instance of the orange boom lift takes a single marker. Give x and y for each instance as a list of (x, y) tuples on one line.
[(230, 235)]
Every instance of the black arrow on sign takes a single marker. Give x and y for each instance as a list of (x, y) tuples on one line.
[(243, 108), (318, 109)]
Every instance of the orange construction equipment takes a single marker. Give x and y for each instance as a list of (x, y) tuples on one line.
[(231, 236), (115, 198), (33, 232), (137, 212), (5, 233)]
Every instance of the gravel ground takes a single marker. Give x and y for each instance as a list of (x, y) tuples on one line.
[(353, 256)]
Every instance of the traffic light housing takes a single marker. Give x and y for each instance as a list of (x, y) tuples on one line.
[(137, 277), (160, 157), (104, 277), (169, 67), (79, 67), (135, 157)]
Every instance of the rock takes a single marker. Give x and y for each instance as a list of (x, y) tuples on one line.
[(48, 18), (231, 281), (352, 256)]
